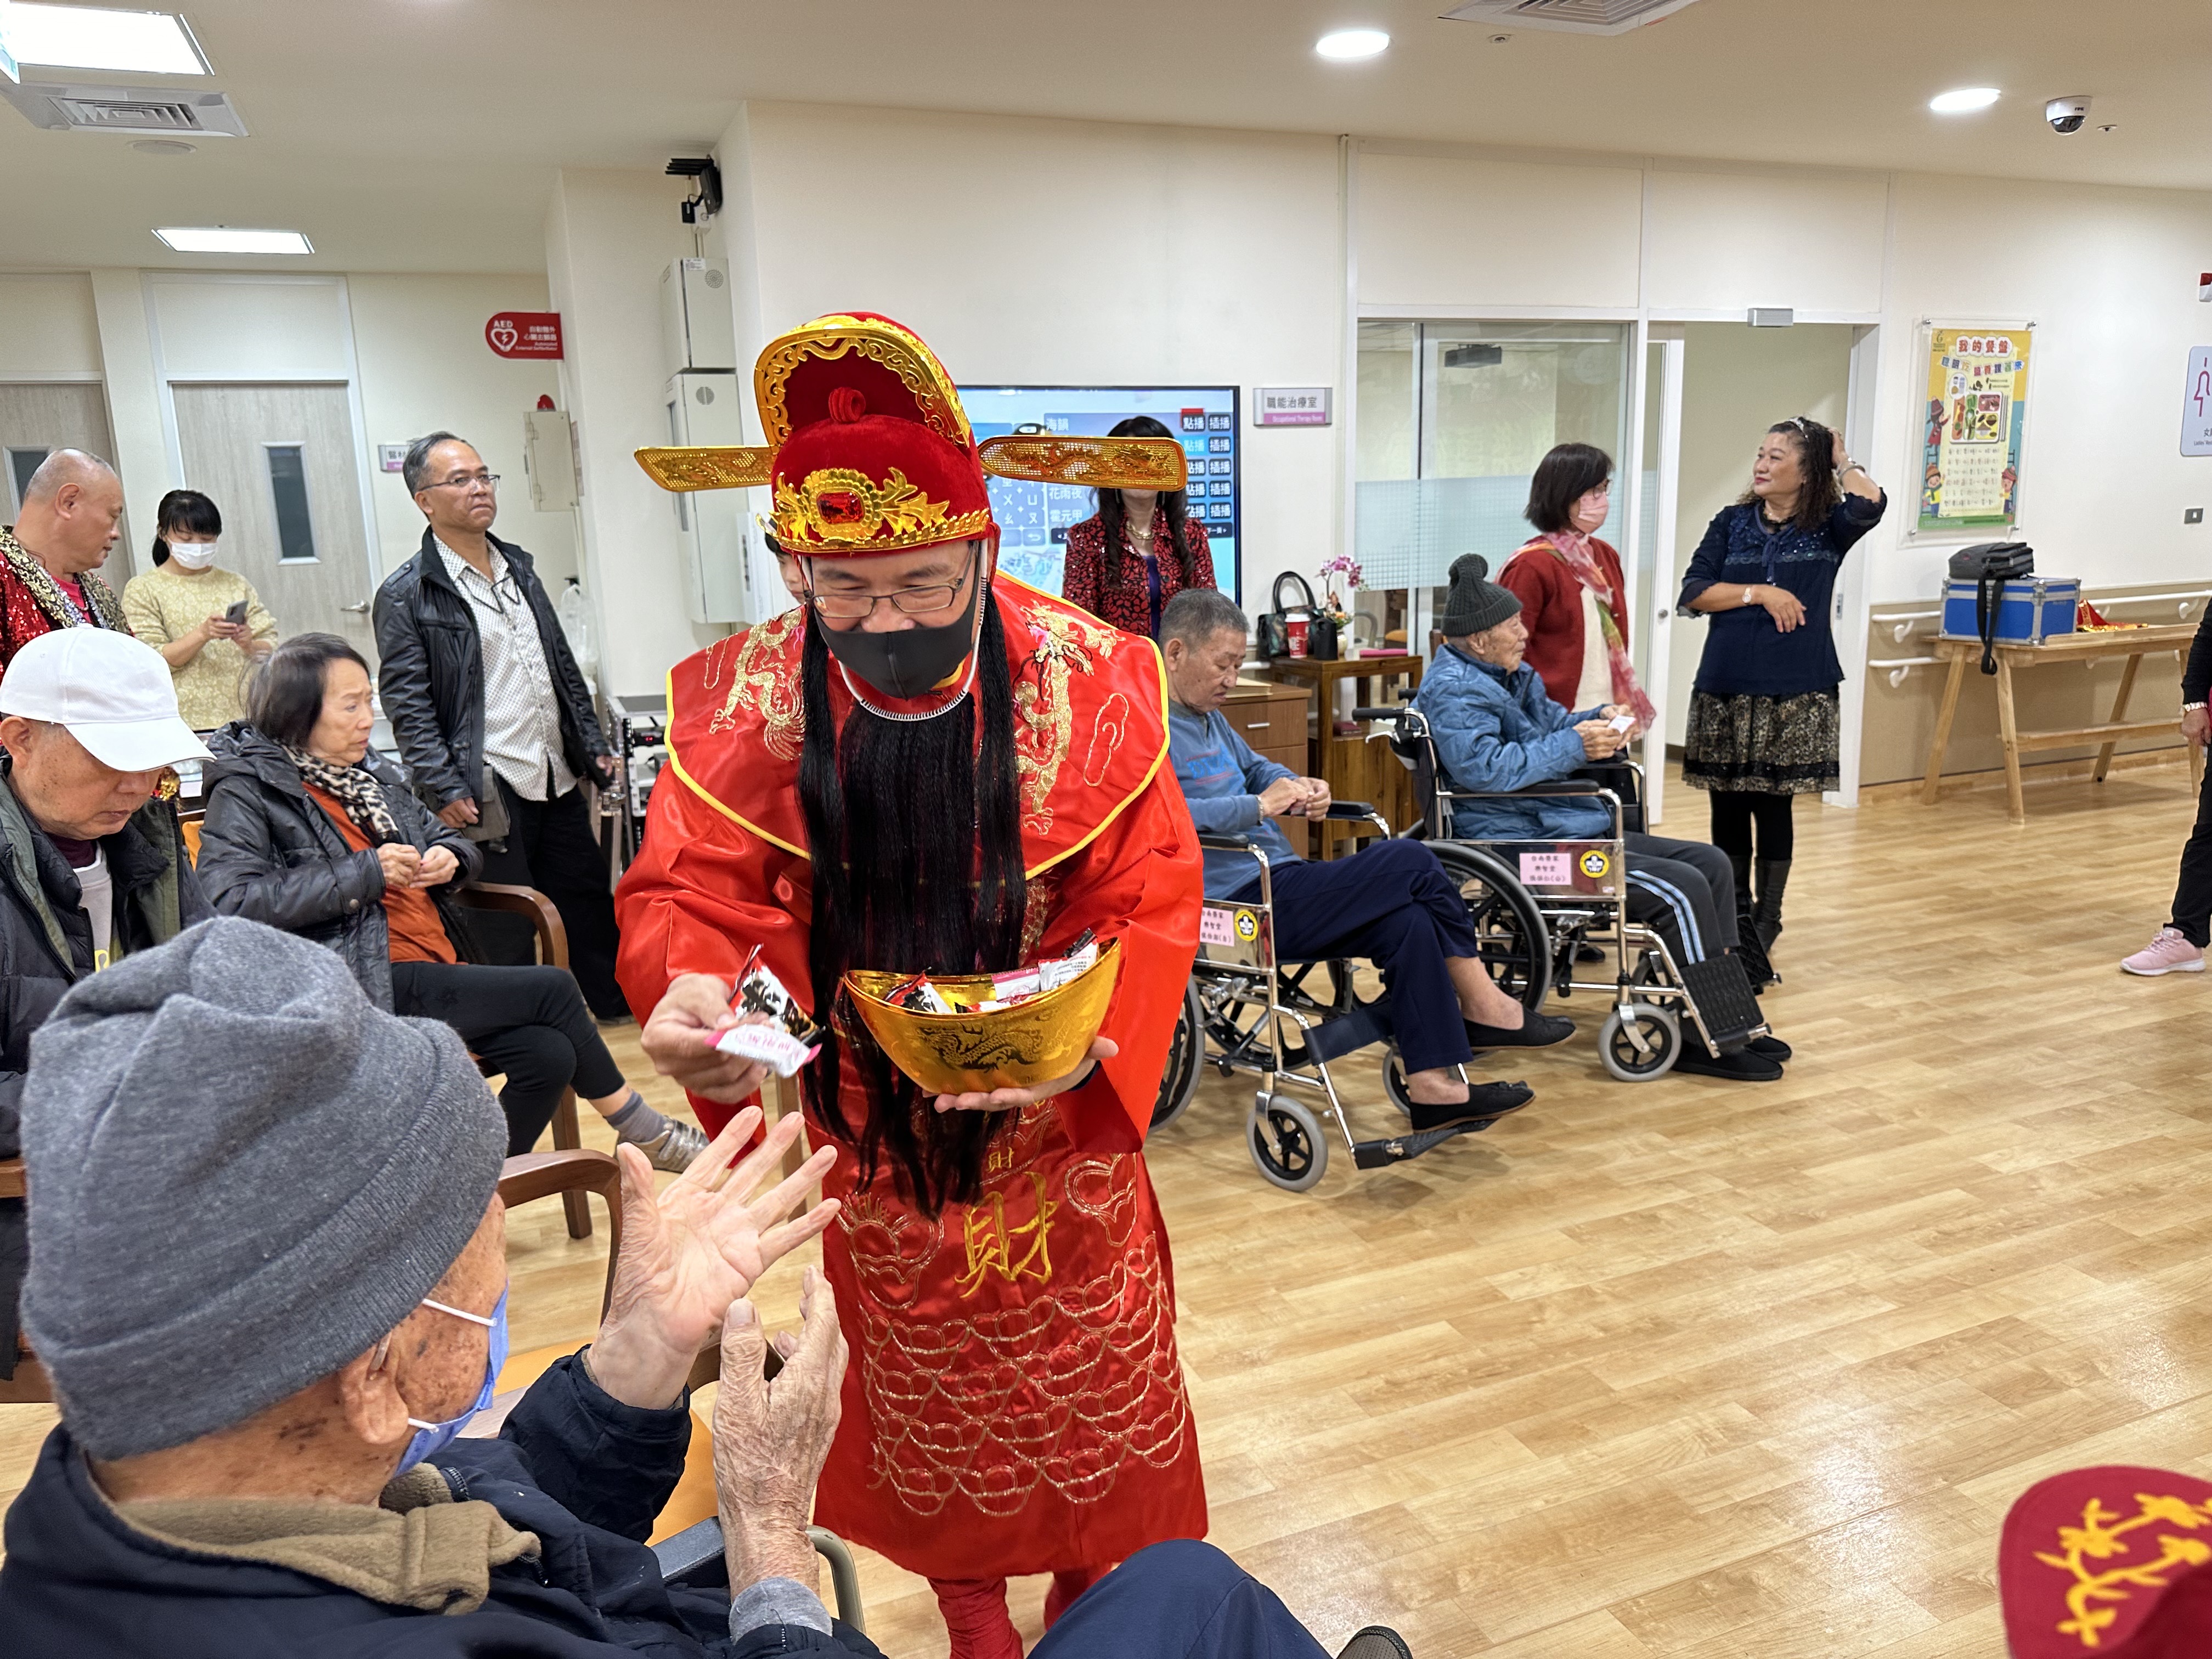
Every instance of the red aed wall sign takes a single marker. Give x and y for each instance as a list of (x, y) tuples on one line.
[(524, 333)]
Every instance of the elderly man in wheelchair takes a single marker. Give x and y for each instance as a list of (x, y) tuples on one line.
[(1393, 903), (1495, 731)]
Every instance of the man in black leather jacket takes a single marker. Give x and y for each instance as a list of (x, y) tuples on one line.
[(489, 709)]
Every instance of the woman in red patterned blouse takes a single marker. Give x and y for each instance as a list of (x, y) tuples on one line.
[(1137, 552)]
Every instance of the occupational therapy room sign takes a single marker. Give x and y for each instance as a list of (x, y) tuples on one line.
[(1973, 425), (2197, 404)]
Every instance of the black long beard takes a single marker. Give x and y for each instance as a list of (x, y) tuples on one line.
[(914, 831)]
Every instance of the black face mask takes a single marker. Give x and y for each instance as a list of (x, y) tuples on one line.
[(907, 662)]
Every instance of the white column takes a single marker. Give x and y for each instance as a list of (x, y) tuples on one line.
[(135, 399), (608, 236)]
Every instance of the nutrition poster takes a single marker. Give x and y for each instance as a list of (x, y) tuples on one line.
[(1975, 418)]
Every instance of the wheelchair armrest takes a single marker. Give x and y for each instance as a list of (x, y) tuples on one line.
[(1350, 808), (1226, 843), (1562, 787)]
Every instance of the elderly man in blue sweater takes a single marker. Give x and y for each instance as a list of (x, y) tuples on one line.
[(1496, 728), (1392, 904)]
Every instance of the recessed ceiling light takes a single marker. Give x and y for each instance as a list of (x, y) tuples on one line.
[(163, 147), (1963, 100), (221, 239), (1345, 45), (87, 37)]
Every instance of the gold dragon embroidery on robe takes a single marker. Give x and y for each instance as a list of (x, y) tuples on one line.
[(1066, 647), (761, 683)]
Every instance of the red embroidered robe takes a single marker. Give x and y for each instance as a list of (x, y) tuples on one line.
[(1014, 1403)]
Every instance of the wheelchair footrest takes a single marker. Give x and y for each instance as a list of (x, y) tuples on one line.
[(1333, 1039), (1374, 1154), (1722, 991)]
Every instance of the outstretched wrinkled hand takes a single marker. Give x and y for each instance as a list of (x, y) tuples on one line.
[(772, 1437), (692, 1248)]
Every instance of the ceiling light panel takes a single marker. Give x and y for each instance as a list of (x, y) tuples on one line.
[(86, 37), (222, 238), (1348, 44), (1963, 100)]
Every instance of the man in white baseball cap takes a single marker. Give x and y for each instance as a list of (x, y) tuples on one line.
[(93, 865)]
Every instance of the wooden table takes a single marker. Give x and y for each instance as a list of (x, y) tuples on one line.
[(2133, 643), (1353, 767)]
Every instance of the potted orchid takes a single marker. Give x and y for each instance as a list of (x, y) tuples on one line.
[(1340, 578)]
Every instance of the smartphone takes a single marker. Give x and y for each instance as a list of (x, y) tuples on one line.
[(236, 615)]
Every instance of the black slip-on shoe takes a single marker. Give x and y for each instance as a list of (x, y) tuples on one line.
[(1743, 1067), (1535, 1031), (1484, 1104), (1377, 1642), (1772, 1046)]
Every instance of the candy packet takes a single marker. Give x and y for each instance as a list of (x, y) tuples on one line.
[(760, 992), (770, 1044)]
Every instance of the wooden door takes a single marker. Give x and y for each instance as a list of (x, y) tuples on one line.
[(37, 418), (280, 463)]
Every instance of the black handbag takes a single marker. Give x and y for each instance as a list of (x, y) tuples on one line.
[(1275, 624), (1990, 566)]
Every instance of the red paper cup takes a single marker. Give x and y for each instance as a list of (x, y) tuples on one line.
[(1296, 631)]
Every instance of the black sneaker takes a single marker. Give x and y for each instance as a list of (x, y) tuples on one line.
[(1772, 1046), (1377, 1642), (1484, 1104), (1535, 1031), (1743, 1067)]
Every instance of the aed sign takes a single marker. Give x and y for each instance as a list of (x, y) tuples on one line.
[(2197, 404), (524, 333), (1291, 406)]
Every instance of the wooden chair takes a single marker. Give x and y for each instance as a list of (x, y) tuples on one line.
[(30, 1385), (553, 951)]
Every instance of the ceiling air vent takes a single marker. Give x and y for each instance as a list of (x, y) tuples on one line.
[(1571, 17), (162, 110)]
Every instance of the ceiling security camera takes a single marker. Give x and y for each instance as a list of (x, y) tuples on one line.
[(2067, 115)]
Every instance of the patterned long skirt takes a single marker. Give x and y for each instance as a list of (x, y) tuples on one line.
[(1762, 745)]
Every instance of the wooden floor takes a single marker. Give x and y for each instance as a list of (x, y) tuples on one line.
[(1691, 1367)]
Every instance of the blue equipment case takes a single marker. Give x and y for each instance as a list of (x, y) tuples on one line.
[(2031, 610)]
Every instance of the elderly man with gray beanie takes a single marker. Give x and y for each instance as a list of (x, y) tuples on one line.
[(267, 1279), (1497, 730)]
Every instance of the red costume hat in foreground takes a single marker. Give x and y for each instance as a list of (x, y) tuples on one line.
[(2114, 1562)]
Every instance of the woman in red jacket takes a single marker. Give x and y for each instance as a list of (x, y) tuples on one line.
[(1573, 595), (1137, 552)]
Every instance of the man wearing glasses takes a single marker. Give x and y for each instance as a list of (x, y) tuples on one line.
[(490, 711)]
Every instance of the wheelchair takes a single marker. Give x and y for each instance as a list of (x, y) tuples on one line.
[(1245, 1011), (1541, 907)]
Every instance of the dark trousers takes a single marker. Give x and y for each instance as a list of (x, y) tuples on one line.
[(1183, 1599), (2192, 897), (1393, 904), (529, 1023), (550, 847), (1686, 891)]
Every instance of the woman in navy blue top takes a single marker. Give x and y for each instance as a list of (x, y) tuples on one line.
[(1764, 715)]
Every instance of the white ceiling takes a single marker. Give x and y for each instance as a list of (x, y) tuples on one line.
[(423, 135)]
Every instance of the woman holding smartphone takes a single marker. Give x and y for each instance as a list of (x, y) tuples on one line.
[(208, 622)]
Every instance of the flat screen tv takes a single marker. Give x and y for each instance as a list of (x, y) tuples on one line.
[(1033, 519)]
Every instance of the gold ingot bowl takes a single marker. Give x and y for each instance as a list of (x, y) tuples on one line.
[(968, 1052)]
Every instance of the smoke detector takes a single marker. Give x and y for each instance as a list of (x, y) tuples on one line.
[(1569, 16), (140, 112)]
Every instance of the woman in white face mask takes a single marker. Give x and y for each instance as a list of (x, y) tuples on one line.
[(207, 621)]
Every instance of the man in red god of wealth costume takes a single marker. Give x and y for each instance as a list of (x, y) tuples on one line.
[(928, 767)]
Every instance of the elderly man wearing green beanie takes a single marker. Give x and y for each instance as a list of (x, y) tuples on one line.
[(1497, 730)]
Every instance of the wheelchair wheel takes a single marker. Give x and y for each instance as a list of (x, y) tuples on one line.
[(1516, 946), (1287, 1142), (1179, 1078), (1661, 1030)]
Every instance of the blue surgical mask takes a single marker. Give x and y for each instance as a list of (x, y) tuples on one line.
[(435, 1437)]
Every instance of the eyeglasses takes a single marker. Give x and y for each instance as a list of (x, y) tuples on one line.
[(466, 481), (907, 601)]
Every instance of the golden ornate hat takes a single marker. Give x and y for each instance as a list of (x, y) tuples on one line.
[(869, 452)]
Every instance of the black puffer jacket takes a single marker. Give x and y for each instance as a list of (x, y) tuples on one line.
[(46, 947), (432, 681), (269, 853)]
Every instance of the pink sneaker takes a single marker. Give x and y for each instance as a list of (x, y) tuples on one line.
[(2169, 953)]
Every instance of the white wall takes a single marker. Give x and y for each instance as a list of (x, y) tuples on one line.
[(608, 236), (47, 328), (1064, 252), (424, 367)]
